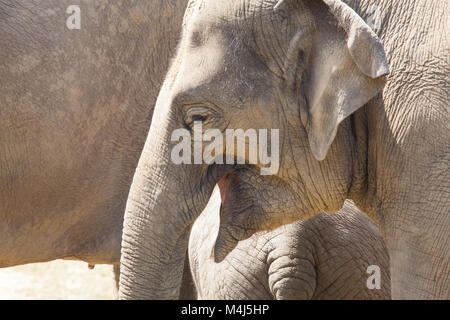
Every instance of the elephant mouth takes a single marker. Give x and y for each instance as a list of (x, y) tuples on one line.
[(222, 184), (238, 203), (250, 203), (234, 188), (237, 191), (231, 177)]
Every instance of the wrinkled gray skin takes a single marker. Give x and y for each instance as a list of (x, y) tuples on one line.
[(307, 68), (324, 257), (75, 108)]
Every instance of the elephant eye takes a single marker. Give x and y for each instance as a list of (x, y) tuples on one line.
[(198, 117), (197, 113)]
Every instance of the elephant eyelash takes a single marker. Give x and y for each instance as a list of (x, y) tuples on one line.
[(199, 118), (197, 113)]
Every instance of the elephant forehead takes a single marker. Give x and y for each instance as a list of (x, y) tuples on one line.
[(221, 65), (228, 9), (200, 63), (232, 17), (254, 25)]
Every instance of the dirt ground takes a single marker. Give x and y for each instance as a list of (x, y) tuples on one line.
[(57, 279)]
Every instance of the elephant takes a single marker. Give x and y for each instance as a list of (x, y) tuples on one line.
[(356, 94), (324, 257), (75, 109)]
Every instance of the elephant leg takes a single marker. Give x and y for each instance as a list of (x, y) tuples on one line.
[(327, 256), (291, 277)]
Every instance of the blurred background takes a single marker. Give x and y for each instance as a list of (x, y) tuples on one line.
[(58, 279)]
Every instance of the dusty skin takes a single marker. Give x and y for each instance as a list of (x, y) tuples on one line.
[(363, 115), (325, 257), (69, 152), (75, 108)]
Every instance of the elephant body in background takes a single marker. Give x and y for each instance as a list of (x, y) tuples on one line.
[(358, 91), (324, 257), (75, 108)]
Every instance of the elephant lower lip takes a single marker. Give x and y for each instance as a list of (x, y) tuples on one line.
[(223, 188), (230, 180)]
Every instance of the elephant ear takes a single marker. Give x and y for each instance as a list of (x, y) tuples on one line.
[(345, 67)]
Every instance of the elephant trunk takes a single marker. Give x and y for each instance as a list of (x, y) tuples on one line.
[(159, 214)]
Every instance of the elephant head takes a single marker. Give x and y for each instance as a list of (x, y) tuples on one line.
[(296, 66)]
